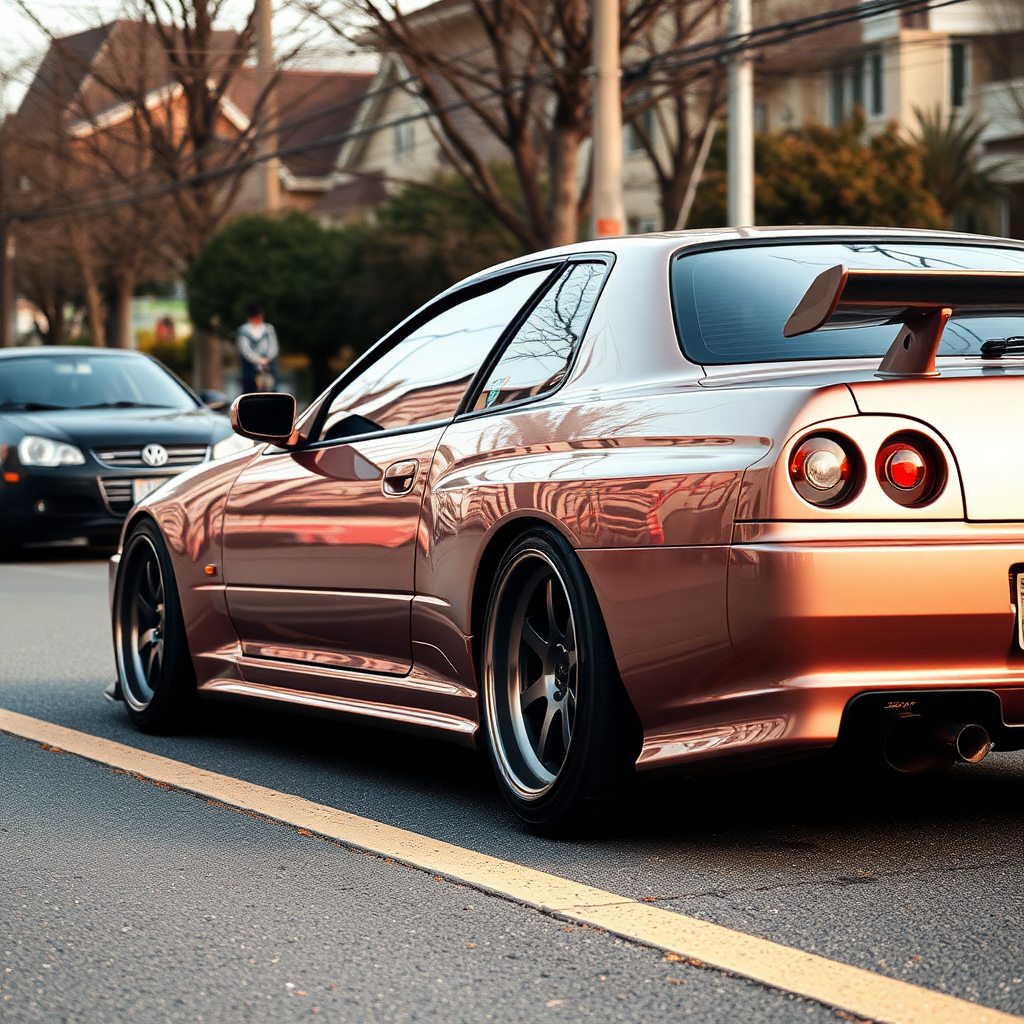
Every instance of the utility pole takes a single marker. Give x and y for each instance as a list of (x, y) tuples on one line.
[(741, 122), (264, 82), (608, 211)]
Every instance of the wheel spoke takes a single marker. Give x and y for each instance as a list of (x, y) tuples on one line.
[(147, 638), (534, 640), (147, 609), (533, 693), (545, 730)]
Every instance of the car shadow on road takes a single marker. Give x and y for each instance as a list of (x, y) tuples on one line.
[(753, 815)]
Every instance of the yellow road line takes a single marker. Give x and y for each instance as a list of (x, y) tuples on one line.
[(857, 991)]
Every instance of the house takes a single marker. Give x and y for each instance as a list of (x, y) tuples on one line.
[(954, 59), (963, 57), (81, 85)]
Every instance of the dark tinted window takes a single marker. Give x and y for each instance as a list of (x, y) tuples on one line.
[(84, 381), (731, 304), (540, 354), (422, 379)]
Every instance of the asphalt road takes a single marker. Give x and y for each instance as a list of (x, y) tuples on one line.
[(123, 899)]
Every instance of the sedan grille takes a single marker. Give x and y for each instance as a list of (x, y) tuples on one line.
[(117, 495), (179, 456)]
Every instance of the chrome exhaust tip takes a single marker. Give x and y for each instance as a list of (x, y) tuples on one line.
[(919, 745)]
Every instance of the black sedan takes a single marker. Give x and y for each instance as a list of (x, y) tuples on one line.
[(85, 433)]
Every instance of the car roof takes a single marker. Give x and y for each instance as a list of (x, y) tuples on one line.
[(672, 241), (45, 351)]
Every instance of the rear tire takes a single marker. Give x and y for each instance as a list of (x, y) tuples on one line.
[(562, 735), (154, 665)]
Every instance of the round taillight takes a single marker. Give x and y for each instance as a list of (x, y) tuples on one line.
[(823, 471), (910, 469), (905, 468)]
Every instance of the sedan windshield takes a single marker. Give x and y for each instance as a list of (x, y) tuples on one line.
[(34, 383), (731, 304)]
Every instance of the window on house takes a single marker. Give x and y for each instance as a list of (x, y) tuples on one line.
[(877, 73), (642, 123), (958, 78), (405, 138), (837, 96), (857, 82)]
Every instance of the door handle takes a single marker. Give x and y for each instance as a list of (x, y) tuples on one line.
[(399, 478)]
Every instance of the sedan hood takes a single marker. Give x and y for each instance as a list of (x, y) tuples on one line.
[(88, 428)]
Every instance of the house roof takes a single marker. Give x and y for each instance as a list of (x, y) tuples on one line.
[(60, 75), (311, 105), (365, 191), (87, 75), (87, 78)]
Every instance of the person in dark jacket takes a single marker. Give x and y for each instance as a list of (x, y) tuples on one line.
[(257, 350)]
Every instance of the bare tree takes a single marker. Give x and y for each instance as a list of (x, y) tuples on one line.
[(153, 110), (673, 111), (520, 92)]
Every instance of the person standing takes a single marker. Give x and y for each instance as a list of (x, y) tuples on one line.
[(257, 350)]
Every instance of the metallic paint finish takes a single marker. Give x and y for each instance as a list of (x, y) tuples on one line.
[(773, 496), (301, 525), (417, 719), (978, 418), (743, 619)]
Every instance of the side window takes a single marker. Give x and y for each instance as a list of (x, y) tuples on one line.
[(540, 354), (423, 378)]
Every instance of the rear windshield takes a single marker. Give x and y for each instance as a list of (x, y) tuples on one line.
[(731, 304), (31, 383)]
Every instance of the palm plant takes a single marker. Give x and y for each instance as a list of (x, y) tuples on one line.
[(952, 174)]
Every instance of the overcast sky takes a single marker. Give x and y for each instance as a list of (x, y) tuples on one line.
[(23, 43)]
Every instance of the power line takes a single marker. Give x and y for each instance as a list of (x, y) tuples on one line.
[(712, 50)]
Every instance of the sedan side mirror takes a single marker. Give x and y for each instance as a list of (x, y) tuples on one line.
[(268, 416), (215, 400)]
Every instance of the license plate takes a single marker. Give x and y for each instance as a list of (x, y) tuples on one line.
[(140, 488)]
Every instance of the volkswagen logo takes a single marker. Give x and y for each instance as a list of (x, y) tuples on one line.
[(154, 455)]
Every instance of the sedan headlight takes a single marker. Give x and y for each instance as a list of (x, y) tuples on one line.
[(42, 451), (232, 444)]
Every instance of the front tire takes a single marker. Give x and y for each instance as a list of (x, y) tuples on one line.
[(158, 680), (562, 735)]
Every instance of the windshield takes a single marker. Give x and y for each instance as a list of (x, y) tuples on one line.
[(32, 383), (731, 304)]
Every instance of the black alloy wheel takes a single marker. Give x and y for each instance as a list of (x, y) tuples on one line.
[(563, 737), (154, 665)]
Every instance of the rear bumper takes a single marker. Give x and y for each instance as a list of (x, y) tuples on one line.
[(810, 620)]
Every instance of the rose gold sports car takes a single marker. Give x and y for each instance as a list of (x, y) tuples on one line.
[(672, 501)]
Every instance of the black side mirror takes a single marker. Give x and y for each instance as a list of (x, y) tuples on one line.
[(215, 400), (266, 416)]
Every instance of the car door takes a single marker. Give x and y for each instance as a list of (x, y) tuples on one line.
[(319, 543)]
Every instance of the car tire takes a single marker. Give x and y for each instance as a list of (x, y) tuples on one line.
[(10, 548), (562, 735), (154, 665)]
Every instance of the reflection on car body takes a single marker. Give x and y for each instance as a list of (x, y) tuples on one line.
[(595, 512)]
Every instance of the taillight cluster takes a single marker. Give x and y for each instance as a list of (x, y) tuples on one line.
[(910, 469), (828, 470), (824, 472)]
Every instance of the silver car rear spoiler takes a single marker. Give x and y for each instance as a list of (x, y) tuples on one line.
[(921, 300)]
